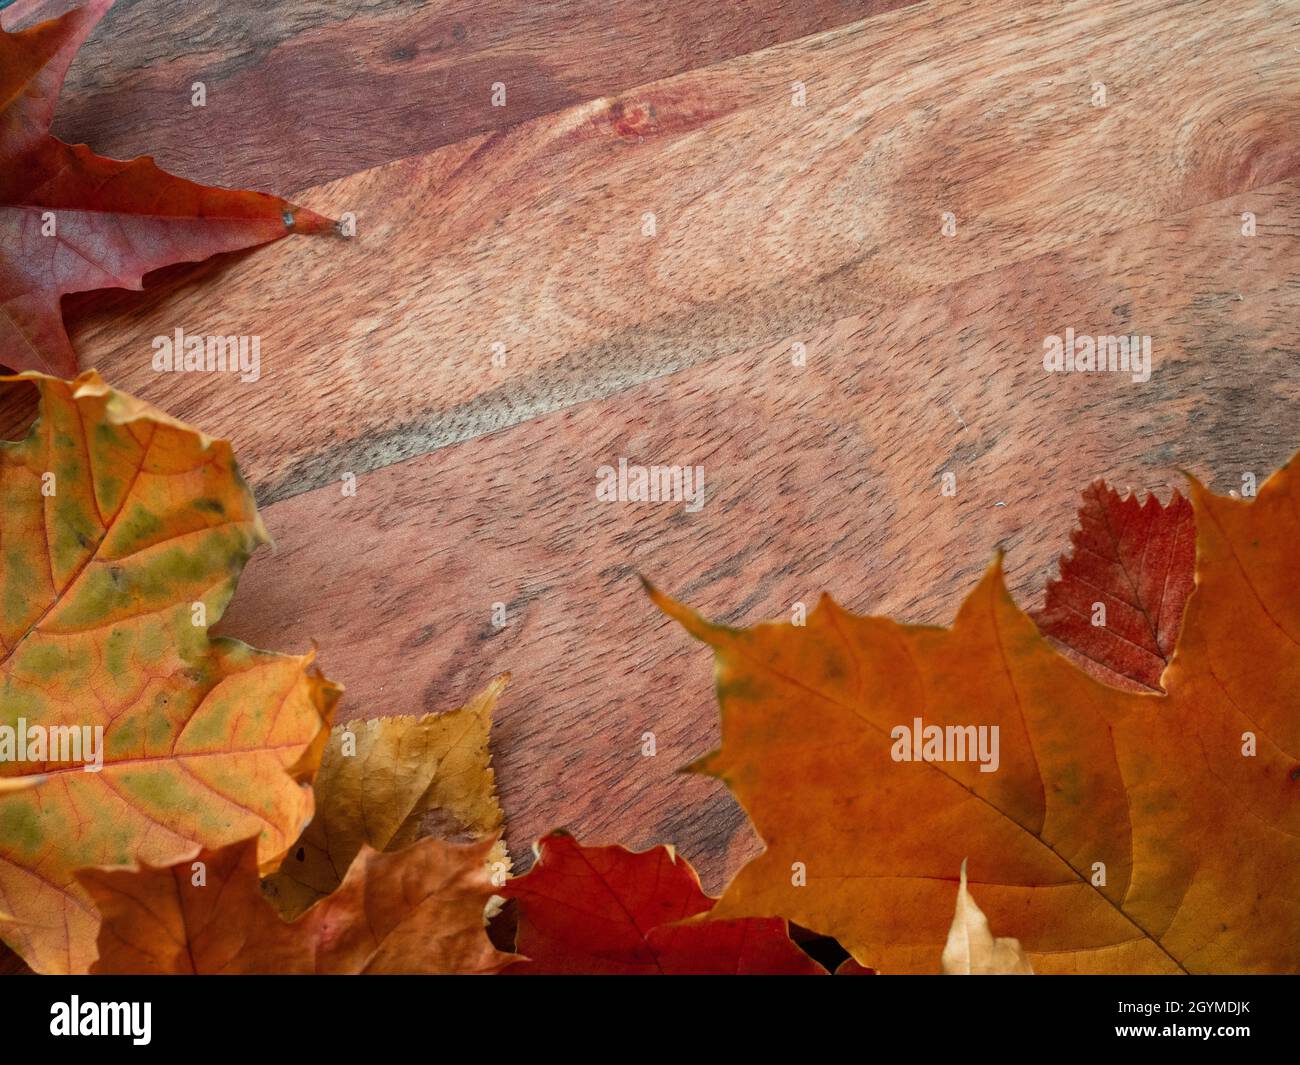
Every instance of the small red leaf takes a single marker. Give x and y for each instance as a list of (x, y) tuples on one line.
[(608, 910), (1118, 605)]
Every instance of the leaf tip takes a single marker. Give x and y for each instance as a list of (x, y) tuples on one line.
[(706, 765), (1194, 484), (303, 220), (689, 619)]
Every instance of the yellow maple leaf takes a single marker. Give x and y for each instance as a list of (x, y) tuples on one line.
[(388, 781)]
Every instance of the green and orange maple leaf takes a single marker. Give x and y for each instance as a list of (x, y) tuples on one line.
[(1121, 831), (124, 534)]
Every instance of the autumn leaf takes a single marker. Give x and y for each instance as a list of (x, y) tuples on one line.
[(389, 781), (972, 949), (418, 910), (122, 535), (10, 963), (611, 911), (71, 221), (1116, 831), (1116, 608)]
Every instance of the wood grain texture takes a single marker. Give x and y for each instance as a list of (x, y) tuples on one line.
[(771, 220), (338, 86), (776, 224), (826, 478)]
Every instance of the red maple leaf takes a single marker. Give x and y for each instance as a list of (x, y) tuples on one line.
[(1118, 605), (612, 911), (72, 221)]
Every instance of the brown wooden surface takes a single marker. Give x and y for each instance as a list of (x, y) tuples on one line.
[(305, 91), (776, 224)]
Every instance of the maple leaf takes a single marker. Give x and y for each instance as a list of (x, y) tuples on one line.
[(611, 911), (418, 910), (71, 221), (972, 949), (122, 535), (1119, 832), (387, 782), (1116, 608)]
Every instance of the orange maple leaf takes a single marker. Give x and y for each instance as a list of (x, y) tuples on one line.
[(1108, 831), (417, 910)]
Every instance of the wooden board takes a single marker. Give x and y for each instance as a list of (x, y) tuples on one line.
[(776, 224), (340, 85), (826, 478), (770, 220)]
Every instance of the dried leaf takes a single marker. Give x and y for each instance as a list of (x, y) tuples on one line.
[(971, 949), (10, 963), (122, 535), (1119, 832), (71, 221), (611, 911), (406, 778), (1116, 609), (418, 910)]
